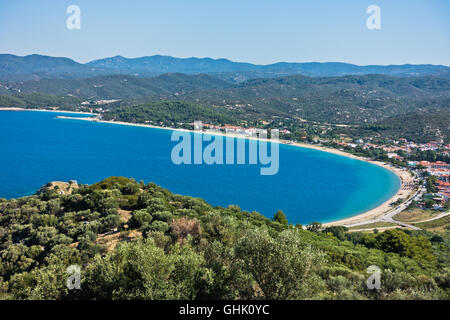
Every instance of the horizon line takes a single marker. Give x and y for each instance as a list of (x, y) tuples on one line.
[(216, 59)]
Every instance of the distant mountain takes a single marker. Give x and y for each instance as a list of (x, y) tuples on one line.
[(34, 67), (333, 69), (166, 64), (237, 71)]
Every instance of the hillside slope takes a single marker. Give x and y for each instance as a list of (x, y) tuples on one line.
[(138, 241), (120, 86)]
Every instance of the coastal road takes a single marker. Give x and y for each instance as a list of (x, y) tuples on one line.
[(388, 217)]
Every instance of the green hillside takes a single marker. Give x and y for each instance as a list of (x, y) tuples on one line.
[(39, 100), (415, 108), (138, 241), (419, 126), (120, 86), (343, 100), (171, 114)]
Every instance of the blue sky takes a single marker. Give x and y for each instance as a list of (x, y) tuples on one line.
[(256, 31)]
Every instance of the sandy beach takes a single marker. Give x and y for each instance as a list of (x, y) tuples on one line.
[(46, 110), (404, 176), (12, 109), (59, 111)]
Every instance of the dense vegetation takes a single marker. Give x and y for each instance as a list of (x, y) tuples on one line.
[(120, 86), (419, 126), (170, 113), (33, 67), (138, 241), (344, 100), (39, 100)]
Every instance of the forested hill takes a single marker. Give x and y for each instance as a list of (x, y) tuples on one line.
[(347, 100), (39, 100), (420, 126), (417, 106), (118, 86), (140, 241), (35, 67)]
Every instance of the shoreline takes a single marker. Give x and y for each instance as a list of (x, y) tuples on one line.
[(45, 110), (403, 175)]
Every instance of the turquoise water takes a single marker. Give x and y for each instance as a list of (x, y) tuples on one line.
[(311, 185)]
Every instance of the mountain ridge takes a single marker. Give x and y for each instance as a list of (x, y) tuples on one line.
[(35, 67)]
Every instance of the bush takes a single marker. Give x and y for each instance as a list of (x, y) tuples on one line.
[(165, 216), (159, 226), (283, 268), (139, 218), (183, 227)]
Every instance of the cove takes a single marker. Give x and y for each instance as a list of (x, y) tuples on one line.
[(311, 185)]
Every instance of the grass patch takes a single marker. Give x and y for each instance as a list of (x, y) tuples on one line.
[(374, 225), (414, 215), (109, 242), (438, 225)]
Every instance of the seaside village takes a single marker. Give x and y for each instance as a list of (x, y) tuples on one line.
[(235, 130), (438, 171)]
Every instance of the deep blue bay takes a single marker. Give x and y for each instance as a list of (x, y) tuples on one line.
[(311, 185)]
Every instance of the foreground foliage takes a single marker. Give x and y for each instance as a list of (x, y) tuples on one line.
[(190, 250)]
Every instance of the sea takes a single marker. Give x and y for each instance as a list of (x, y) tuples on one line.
[(311, 185)]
